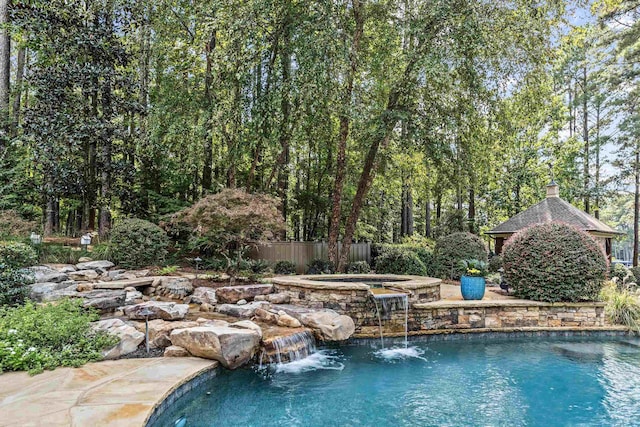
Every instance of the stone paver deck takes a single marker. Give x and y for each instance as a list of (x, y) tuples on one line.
[(111, 393)]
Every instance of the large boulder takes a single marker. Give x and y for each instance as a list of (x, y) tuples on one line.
[(159, 310), (174, 287), (246, 310), (327, 324), (204, 295), (83, 275), (175, 351), (55, 277), (95, 265), (130, 337), (233, 294), (59, 294), (39, 272), (159, 330), (104, 300), (39, 290), (232, 347)]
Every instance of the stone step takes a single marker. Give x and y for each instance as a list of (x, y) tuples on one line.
[(121, 284)]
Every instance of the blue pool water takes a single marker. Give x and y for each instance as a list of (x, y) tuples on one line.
[(534, 382)]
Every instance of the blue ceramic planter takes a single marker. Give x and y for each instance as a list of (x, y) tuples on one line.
[(472, 287)]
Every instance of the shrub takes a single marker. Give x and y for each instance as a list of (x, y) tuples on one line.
[(138, 243), (216, 264), (622, 307), (12, 225), (495, 263), (621, 275), (17, 255), (423, 251), (34, 337), (258, 266), (13, 286), (636, 273), (554, 262), (320, 266), (284, 267), (400, 262), (452, 249), (358, 267)]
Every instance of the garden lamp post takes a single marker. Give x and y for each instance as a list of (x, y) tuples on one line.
[(85, 240), (197, 260), (146, 312), (36, 239)]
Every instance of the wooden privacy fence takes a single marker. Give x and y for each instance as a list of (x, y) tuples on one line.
[(302, 253)]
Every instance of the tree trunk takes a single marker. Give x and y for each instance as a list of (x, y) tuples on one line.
[(345, 122), (207, 171), (406, 223), (585, 136), (636, 207), (5, 65), (596, 208), (17, 97), (106, 152), (427, 218), (472, 211)]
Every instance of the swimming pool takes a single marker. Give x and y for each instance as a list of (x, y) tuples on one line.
[(532, 381)]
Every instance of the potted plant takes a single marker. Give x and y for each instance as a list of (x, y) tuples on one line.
[(472, 283)]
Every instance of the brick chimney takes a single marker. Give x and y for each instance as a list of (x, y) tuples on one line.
[(553, 190)]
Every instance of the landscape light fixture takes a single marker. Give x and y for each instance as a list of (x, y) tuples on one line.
[(198, 260), (146, 312)]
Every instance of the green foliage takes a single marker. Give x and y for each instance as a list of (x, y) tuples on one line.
[(12, 225), (17, 255), (168, 270), (138, 243), (622, 307), (452, 249), (636, 273), (422, 250), (358, 267), (474, 267), (13, 286), (621, 275), (51, 253), (34, 338), (495, 263), (258, 266), (228, 222), (400, 262), (554, 262), (320, 266), (284, 267)]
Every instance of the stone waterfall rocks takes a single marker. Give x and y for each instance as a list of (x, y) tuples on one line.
[(159, 330), (246, 310), (159, 310), (95, 265), (83, 275), (233, 294), (327, 324), (130, 337), (231, 346)]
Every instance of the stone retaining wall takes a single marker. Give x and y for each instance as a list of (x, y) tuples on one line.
[(488, 314)]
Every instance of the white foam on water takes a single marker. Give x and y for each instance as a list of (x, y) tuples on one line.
[(400, 353), (320, 360)]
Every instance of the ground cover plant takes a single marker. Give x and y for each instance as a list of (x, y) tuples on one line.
[(34, 338), (554, 262)]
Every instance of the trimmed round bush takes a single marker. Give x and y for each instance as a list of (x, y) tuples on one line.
[(358, 267), (138, 243), (452, 249), (554, 262), (400, 262), (13, 286), (284, 267), (17, 255)]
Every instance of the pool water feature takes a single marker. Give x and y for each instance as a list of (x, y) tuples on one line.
[(532, 381), (288, 348), (389, 299)]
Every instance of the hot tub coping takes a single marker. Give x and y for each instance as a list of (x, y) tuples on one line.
[(393, 280)]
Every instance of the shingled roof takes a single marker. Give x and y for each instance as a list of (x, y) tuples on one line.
[(551, 209)]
